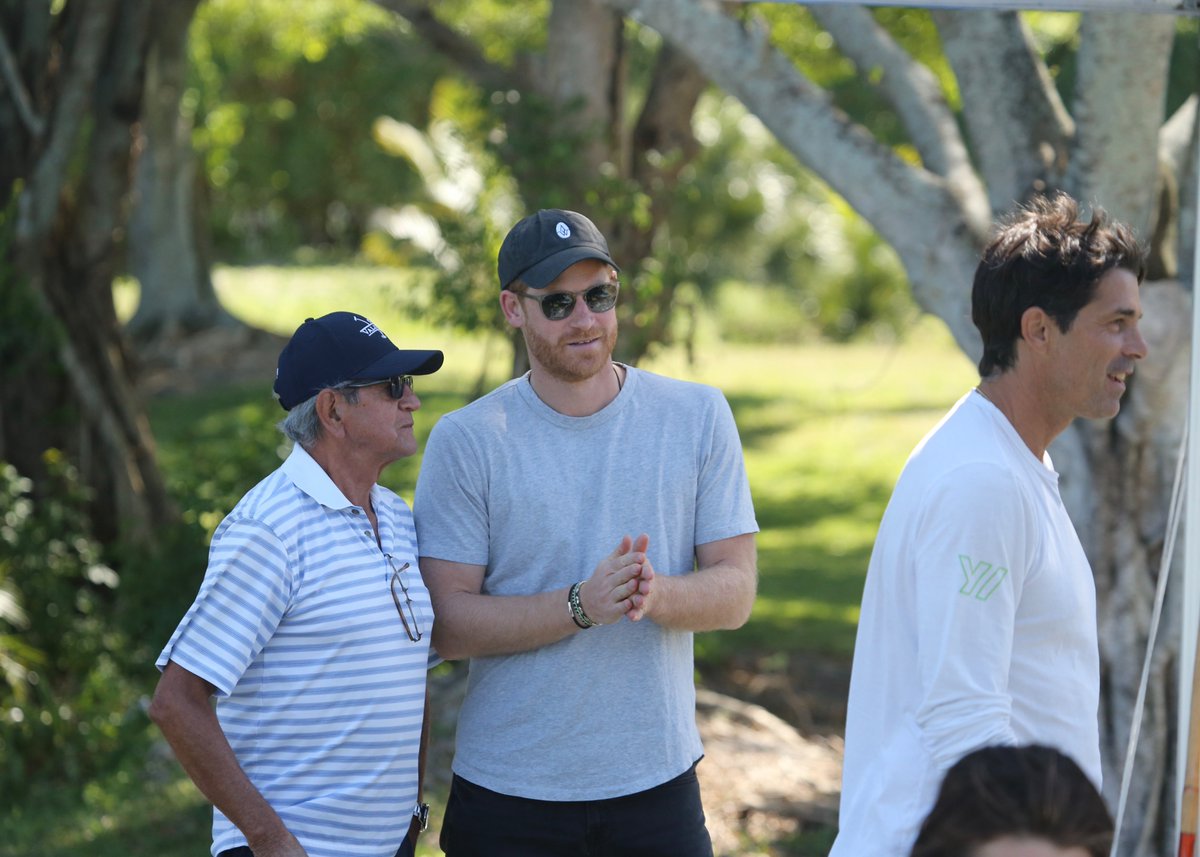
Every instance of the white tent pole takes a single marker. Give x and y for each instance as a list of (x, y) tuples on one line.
[(1190, 620), (1163, 7)]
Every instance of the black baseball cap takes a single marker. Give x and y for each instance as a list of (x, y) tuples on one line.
[(342, 346), (543, 245)]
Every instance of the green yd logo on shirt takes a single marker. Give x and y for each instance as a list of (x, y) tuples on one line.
[(980, 579)]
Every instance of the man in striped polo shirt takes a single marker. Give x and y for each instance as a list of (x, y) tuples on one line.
[(311, 626)]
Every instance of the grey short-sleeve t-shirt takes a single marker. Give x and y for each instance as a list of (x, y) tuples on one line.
[(539, 498)]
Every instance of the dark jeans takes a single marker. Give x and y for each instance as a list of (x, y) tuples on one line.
[(665, 821), (406, 850)]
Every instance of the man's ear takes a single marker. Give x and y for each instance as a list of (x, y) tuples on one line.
[(1037, 328), (328, 403), (510, 305)]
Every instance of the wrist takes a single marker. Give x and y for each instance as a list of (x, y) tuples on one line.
[(575, 608)]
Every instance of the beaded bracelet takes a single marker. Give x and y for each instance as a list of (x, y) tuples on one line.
[(578, 616)]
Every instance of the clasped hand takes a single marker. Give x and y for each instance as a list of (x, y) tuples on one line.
[(621, 585)]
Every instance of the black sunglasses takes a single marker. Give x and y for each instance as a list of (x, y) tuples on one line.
[(558, 305), (396, 385), (405, 609)]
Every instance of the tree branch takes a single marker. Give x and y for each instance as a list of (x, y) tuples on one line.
[(1176, 135), (661, 145), (582, 71), (1017, 124), (1118, 55), (1185, 125), (40, 200), (915, 211), (12, 79), (910, 87), (457, 48), (665, 122)]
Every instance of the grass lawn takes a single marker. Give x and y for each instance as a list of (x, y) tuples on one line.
[(825, 428)]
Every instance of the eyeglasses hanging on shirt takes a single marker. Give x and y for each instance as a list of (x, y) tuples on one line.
[(405, 608)]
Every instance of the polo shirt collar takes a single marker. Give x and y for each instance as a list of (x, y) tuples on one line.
[(311, 478)]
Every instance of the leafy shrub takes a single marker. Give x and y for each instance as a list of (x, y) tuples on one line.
[(77, 638), (64, 703)]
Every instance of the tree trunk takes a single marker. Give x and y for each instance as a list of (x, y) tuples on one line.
[(167, 252), (79, 77)]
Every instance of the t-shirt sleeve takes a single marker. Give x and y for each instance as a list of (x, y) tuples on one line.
[(245, 593), (724, 508), (449, 503), (971, 559)]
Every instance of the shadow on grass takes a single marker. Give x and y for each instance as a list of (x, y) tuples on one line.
[(760, 417), (117, 817)]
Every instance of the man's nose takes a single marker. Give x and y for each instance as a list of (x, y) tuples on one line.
[(1137, 347)]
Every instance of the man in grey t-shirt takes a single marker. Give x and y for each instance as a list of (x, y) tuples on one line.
[(576, 526)]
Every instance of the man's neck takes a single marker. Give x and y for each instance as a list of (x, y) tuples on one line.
[(351, 477), (578, 398), (1029, 416)]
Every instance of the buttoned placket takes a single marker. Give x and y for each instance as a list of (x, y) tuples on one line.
[(366, 531), (361, 517)]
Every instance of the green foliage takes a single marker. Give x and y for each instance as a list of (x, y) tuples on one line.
[(66, 703), (799, 260), (79, 627), (855, 90), (1185, 62), (455, 225), (504, 30), (222, 443), (138, 807), (284, 96), (308, 139)]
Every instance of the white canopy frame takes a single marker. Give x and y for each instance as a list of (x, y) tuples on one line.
[(1170, 7)]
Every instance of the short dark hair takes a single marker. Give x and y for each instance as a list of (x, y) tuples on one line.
[(1028, 791), (1044, 256)]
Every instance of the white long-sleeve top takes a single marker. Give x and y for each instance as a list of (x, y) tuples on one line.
[(978, 627)]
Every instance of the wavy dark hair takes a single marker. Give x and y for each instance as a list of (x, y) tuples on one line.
[(1044, 256), (1029, 791)]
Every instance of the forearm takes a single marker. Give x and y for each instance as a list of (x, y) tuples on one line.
[(191, 728), (471, 625), (715, 598)]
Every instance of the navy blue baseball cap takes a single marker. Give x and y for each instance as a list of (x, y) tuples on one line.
[(342, 346), (543, 245)]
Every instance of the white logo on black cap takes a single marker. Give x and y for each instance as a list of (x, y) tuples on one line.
[(370, 328), (562, 230)]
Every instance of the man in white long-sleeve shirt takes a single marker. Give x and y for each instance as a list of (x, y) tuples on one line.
[(978, 620)]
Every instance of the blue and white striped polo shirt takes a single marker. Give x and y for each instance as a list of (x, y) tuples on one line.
[(319, 689)]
